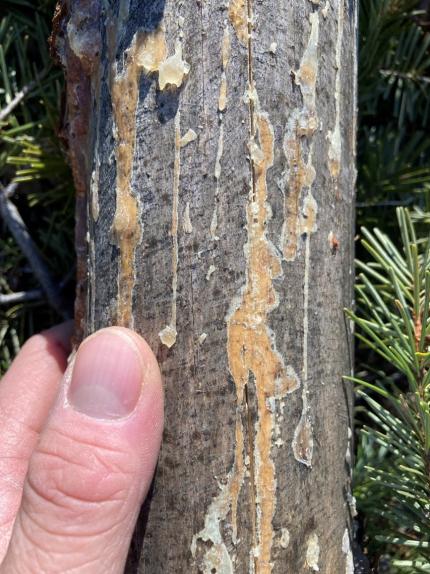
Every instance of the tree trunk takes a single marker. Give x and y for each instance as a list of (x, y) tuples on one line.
[(213, 148)]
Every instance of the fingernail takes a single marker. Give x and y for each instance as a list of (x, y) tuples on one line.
[(107, 376)]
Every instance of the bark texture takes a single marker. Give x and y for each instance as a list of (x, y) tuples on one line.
[(217, 161)]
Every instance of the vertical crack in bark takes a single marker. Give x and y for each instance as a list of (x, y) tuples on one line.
[(251, 466), (300, 175), (94, 208), (303, 442), (251, 445), (222, 104), (334, 137), (172, 72), (168, 334), (251, 343), (250, 17)]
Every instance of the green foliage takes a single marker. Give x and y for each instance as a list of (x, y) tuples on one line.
[(392, 319), (394, 62), (28, 134), (30, 153), (394, 105), (391, 474)]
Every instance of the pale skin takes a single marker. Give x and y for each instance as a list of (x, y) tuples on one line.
[(78, 449)]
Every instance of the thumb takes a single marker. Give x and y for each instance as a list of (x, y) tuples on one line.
[(94, 462)]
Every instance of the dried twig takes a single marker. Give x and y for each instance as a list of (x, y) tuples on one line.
[(18, 229), (20, 96), (20, 297), (10, 189)]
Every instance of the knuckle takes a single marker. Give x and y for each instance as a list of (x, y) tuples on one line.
[(77, 478)]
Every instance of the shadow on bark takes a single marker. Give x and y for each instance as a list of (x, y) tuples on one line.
[(135, 551)]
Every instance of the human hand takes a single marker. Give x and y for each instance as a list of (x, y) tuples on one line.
[(78, 448)]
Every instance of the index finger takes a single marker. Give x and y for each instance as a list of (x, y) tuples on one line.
[(27, 392)]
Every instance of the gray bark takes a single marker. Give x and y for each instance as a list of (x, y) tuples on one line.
[(214, 144)]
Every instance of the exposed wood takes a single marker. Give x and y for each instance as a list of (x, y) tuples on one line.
[(219, 176)]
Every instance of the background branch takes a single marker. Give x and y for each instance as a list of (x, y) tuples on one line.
[(18, 229)]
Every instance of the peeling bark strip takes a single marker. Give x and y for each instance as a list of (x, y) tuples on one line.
[(146, 54), (250, 349), (251, 343), (213, 229), (126, 224), (238, 16), (301, 126)]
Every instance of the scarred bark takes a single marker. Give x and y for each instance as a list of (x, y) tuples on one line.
[(217, 167)]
